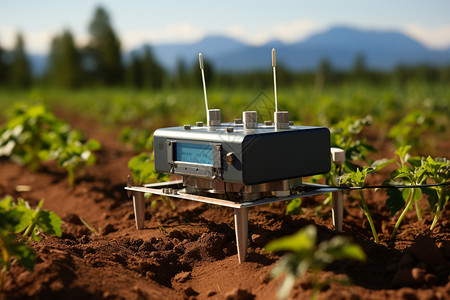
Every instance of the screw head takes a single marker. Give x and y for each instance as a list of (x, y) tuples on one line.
[(230, 158)]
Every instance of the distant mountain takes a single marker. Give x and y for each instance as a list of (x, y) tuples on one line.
[(340, 45), (382, 50), (212, 47)]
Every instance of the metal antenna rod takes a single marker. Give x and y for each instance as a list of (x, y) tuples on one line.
[(202, 69), (274, 64)]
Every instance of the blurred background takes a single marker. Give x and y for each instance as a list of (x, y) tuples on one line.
[(147, 44), (134, 62)]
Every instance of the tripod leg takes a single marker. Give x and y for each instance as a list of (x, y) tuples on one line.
[(139, 209), (241, 228), (338, 210)]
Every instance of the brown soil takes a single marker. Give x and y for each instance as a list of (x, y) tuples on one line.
[(190, 252)]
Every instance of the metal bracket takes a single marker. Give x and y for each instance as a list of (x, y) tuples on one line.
[(172, 189)]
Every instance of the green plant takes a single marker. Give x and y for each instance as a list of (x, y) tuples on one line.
[(138, 139), (142, 168), (294, 207), (73, 155), (438, 170), (410, 128), (306, 255), (410, 171), (143, 171), (95, 231), (345, 135), (33, 135), (16, 218), (24, 137), (357, 179)]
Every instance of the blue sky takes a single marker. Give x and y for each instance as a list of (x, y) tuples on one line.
[(254, 22)]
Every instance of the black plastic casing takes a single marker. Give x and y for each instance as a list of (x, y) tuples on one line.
[(254, 156)]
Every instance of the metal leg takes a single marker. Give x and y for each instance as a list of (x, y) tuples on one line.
[(139, 209), (338, 210), (241, 228)]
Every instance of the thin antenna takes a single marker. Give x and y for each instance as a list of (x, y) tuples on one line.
[(202, 68), (274, 64)]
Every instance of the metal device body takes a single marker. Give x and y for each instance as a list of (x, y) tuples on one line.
[(246, 156)]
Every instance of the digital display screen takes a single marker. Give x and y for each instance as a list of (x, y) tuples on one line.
[(194, 153)]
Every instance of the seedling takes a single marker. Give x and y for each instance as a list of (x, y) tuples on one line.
[(438, 170), (33, 135), (357, 179), (21, 218), (25, 136), (345, 135), (142, 168), (139, 139), (306, 255), (95, 231), (73, 155), (294, 207), (410, 128), (411, 171)]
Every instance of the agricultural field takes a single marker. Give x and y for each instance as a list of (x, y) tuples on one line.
[(67, 155)]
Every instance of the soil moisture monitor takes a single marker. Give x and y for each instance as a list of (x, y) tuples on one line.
[(238, 164)]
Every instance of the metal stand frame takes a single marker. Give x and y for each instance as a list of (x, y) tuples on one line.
[(171, 189)]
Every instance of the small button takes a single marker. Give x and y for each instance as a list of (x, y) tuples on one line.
[(187, 127), (199, 124), (230, 158), (230, 129), (267, 123)]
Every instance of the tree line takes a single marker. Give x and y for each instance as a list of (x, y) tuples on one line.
[(101, 63)]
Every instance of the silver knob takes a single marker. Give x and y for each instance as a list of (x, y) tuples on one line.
[(250, 119), (213, 117), (281, 119)]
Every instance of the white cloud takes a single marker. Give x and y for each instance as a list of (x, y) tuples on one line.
[(176, 32), (39, 41), (435, 38), (7, 37), (36, 42), (236, 31), (287, 32), (295, 31)]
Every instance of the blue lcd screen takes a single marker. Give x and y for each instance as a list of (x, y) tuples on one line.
[(194, 153)]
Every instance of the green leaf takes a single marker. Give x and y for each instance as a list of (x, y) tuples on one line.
[(93, 145), (303, 240), (395, 201), (340, 247), (23, 254), (415, 161), (381, 163), (294, 207), (432, 197), (26, 216), (406, 193), (402, 153), (142, 168), (49, 222), (286, 286), (6, 203)]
